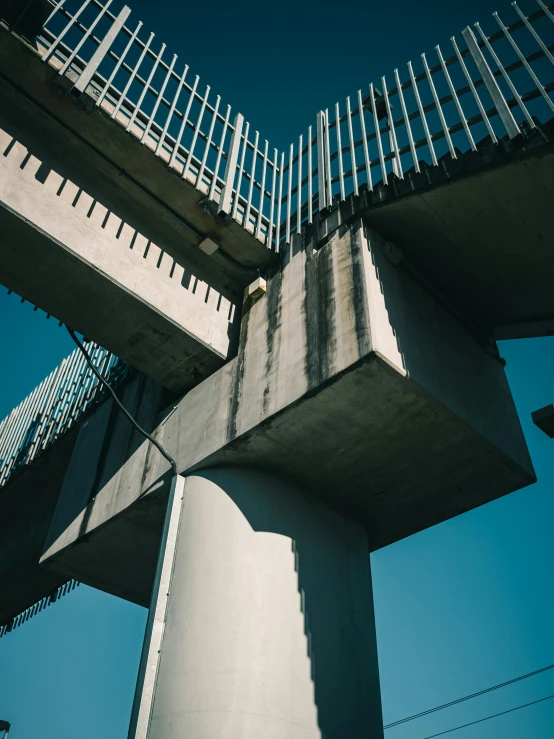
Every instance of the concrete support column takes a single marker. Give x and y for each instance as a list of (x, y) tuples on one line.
[(270, 630)]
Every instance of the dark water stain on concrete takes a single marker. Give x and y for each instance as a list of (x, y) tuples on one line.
[(359, 292), (238, 373), (273, 330), (319, 312)]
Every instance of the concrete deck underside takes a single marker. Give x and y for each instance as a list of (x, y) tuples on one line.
[(26, 508), (485, 241)]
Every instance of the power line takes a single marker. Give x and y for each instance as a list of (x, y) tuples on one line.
[(467, 697), (510, 710)]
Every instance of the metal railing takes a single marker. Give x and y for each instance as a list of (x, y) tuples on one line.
[(54, 406), (491, 83)]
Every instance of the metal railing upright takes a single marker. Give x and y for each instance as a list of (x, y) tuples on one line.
[(487, 87)]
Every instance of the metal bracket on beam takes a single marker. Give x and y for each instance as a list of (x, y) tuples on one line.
[(231, 168), (491, 84), (88, 72)]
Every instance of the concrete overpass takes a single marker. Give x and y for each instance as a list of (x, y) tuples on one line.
[(356, 400)]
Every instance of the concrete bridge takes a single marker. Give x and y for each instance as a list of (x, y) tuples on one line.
[(350, 396)]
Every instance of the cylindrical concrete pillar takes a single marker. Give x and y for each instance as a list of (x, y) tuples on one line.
[(270, 630)]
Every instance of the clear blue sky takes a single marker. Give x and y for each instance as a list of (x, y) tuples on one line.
[(459, 607)]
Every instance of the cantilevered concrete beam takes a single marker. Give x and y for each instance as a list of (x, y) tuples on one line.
[(75, 257)]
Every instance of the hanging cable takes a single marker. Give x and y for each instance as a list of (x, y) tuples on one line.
[(150, 438), (495, 715), (468, 697)]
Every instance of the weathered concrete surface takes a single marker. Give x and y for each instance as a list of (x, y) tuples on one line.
[(481, 231), (26, 508), (108, 465), (352, 378), (112, 283), (127, 172), (270, 629)]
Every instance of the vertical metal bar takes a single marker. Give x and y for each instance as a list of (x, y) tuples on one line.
[(328, 161), (422, 115), (230, 169), (352, 148), (219, 153), (289, 191), (278, 219), (102, 50), (394, 142), (506, 76), (251, 185), (196, 132), (172, 110), (132, 76), (474, 92), (310, 179), (299, 190), (534, 33), (456, 99), (145, 88), (364, 141), (241, 171), (321, 186), (262, 194), (339, 152), (491, 84), (406, 121), (183, 123), (119, 63), (378, 133), (438, 107), (546, 10), (85, 37), (208, 142), (272, 205), (48, 53), (525, 63), (158, 100)]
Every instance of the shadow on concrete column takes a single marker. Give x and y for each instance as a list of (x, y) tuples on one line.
[(270, 627)]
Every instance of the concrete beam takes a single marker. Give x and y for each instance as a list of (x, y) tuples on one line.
[(104, 151), (145, 303), (352, 378)]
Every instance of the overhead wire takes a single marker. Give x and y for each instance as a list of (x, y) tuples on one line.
[(150, 438), (468, 697), (487, 718)]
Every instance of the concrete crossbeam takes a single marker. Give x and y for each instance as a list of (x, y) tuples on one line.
[(354, 379)]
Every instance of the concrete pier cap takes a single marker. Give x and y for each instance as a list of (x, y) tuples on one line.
[(352, 377)]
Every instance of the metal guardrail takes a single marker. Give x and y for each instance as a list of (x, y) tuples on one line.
[(489, 86), (54, 407)]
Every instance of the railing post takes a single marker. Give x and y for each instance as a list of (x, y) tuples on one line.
[(88, 72), (491, 84), (231, 168), (321, 187)]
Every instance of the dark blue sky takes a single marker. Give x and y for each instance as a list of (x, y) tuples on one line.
[(459, 607)]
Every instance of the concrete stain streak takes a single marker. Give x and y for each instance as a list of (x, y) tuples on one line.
[(319, 313), (359, 293), (238, 376), (273, 330)]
